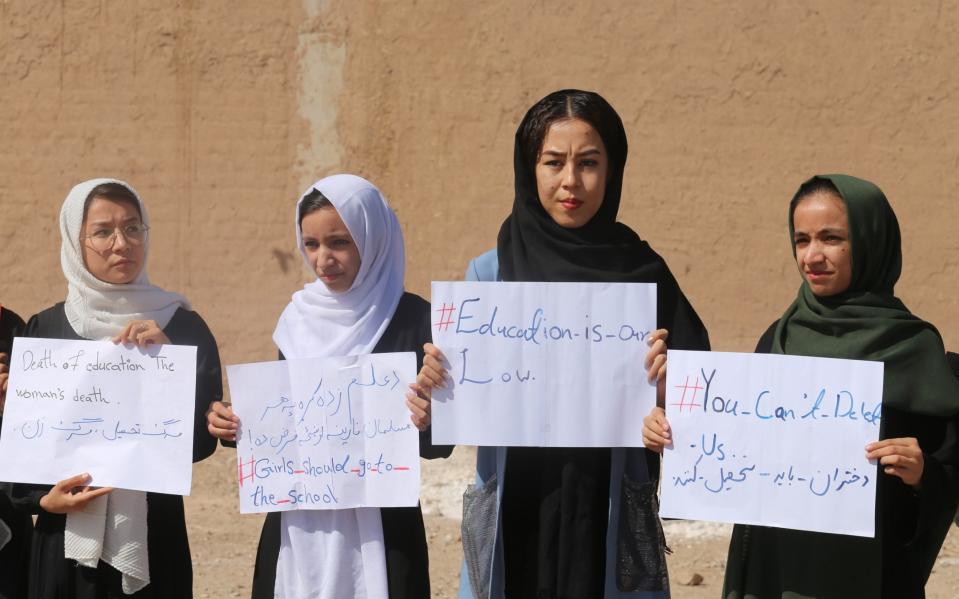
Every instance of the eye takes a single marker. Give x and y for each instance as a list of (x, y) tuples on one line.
[(340, 243), (102, 233), (800, 241), (311, 244), (554, 163), (589, 163)]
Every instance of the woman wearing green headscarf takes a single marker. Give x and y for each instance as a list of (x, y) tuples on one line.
[(846, 242)]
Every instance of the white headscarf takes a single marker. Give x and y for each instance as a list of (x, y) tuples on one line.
[(319, 322), (340, 553), (112, 528), (97, 309)]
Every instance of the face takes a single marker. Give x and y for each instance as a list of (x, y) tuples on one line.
[(823, 248), (571, 172), (330, 249), (117, 259)]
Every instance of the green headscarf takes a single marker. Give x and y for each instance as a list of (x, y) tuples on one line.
[(867, 321)]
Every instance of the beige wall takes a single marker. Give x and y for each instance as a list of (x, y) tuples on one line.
[(219, 113)]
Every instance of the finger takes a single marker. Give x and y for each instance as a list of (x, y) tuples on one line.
[(74, 481), (421, 424), (893, 450), (4, 357), (431, 350), (91, 493), (655, 443), (422, 404), (415, 409), (661, 373), (899, 461), (653, 369), (435, 364), (430, 378), (124, 336), (657, 335), (422, 391), (896, 442), (221, 433), (225, 411), (655, 350), (222, 423)]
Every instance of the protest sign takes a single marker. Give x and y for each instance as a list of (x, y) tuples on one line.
[(772, 440), (123, 415), (325, 433), (543, 364)]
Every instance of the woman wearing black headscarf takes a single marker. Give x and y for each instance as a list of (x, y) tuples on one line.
[(846, 243), (569, 522), (16, 526)]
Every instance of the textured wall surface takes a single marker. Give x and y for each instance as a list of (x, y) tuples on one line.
[(220, 113)]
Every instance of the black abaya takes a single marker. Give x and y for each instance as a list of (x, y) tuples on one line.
[(52, 576)]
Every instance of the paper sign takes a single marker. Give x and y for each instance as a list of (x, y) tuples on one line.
[(124, 415), (543, 364), (326, 433), (772, 440)]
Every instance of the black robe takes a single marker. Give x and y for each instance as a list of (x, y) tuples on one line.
[(404, 536), (13, 562), (910, 528), (52, 576)]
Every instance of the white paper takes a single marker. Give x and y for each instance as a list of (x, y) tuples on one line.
[(124, 415), (326, 433), (772, 440), (543, 364)]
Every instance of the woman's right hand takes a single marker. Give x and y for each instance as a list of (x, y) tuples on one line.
[(71, 495), (221, 421), (433, 373), (656, 430)]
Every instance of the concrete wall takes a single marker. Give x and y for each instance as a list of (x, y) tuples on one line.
[(220, 113)]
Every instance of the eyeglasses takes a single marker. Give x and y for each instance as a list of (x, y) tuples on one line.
[(104, 238)]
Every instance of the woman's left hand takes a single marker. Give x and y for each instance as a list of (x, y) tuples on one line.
[(142, 333), (900, 457), (418, 401), (655, 363)]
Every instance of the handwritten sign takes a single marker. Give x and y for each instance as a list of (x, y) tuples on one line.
[(326, 433), (772, 440), (543, 364), (125, 415)]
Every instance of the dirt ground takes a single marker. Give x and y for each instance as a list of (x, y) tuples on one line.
[(224, 542)]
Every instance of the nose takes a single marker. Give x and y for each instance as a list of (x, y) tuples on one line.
[(325, 254), (570, 175), (120, 242), (814, 253)]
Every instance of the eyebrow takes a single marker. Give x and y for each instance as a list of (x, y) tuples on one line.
[(102, 222), (826, 230), (583, 153)]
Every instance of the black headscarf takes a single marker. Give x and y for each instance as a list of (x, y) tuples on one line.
[(532, 247)]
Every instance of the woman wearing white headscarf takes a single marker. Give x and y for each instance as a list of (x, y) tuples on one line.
[(101, 543), (351, 239)]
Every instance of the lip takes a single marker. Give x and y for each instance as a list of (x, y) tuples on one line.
[(122, 263), (816, 277), (330, 277), (570, 203)]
